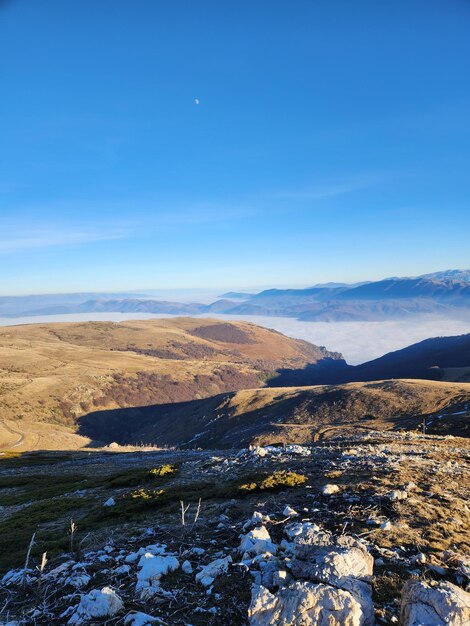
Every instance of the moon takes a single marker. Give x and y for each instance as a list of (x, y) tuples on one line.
[(196, 100)]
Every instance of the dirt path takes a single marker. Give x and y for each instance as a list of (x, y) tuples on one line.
[(17, 443)]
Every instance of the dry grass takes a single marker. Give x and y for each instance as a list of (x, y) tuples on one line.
[(280, 479), (51, 374), (303, 414)]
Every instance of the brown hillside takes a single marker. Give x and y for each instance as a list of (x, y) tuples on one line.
[(55, 373), (292, 415)]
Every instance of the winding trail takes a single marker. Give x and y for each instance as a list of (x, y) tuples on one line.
[(18, 442)]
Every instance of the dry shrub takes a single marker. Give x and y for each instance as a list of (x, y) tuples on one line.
[(277, 480)]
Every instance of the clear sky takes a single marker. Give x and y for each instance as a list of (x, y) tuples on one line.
[(331, 141)]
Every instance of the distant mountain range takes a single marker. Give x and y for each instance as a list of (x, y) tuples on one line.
[(446, 294)]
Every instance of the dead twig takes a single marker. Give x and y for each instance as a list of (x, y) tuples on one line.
[(26, 563)]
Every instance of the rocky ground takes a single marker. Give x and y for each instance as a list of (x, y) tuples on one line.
[(361, 530)]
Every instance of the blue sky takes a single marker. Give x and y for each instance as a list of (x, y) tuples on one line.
[(331, 142)]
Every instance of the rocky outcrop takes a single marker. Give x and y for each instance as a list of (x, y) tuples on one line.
[(434, 605), (307, 604), (336, 592), (321, 557)]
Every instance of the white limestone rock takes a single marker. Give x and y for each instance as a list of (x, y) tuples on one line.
[(289, 511), (300, 528), (78, 580), (308, 604), (329, 490), (152, 568), (259, 451), (213, 569), (97, 603), (397, 495), (439, 605), (321, 557), (257, 519), (141, 619), (257, 541)]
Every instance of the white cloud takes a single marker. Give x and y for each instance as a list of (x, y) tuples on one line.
[(36, 238)]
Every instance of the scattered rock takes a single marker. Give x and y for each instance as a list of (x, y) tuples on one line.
[(152, 568), (300, 528), (289, 511), (257, 541), (322, 557), (141, 619), (256, 520), (329, 490), (420, 558), (78, 580), (258, 451), (187, 568), (110, 502), (213, 569), (397, 494)]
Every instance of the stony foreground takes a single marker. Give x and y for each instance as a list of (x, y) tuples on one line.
[(370, 530)]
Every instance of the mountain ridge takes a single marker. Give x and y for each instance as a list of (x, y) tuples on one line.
[(444, 294)]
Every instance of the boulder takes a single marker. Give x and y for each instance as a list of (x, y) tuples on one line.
[(213, 569), (308, 604), (152, 568), (321, 557), (257, 541), (97, 603), (434, 605)]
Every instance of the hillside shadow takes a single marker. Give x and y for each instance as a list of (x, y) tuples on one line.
[(119, 425), (106, 426), (326, 371), (176, 423)]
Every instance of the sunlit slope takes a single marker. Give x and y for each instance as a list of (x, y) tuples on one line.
[(51, 374)]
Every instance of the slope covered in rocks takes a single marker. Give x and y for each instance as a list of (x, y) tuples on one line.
[(359, 530)]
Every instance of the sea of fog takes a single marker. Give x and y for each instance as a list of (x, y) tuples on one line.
[(357, 341)]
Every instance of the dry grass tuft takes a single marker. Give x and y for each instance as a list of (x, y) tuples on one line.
[(280, 479)]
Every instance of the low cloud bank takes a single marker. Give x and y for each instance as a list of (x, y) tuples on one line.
[(363, 341)]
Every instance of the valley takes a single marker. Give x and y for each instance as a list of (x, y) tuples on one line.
[(51, 375)]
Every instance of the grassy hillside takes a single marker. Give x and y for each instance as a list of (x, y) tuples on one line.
[(51, 374), (291, 415)]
